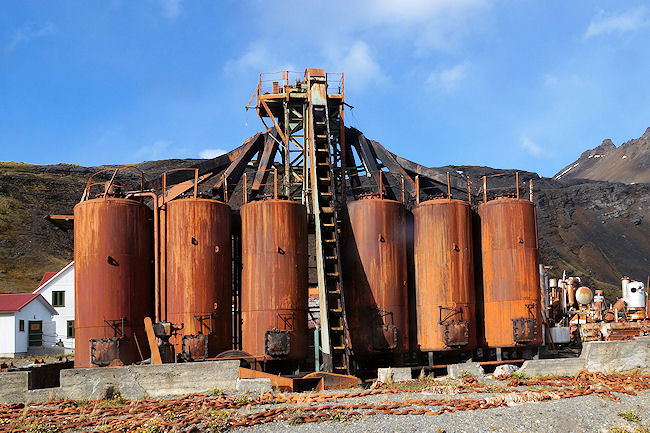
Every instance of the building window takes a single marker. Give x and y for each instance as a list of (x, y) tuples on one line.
[(21, 325), (70, 328), (58, 299)]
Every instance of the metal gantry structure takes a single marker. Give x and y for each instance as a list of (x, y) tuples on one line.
[(308, 119)]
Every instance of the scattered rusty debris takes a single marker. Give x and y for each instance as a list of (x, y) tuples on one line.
[(195, 412)]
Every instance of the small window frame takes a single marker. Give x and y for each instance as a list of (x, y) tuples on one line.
[(70, 329), (21, 325), (58, 298)]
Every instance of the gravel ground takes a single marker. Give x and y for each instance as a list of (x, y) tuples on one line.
[(580, 414)]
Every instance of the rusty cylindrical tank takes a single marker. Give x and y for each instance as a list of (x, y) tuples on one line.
[(113, 253), (510, 260), (198, 276), (274, 280), (375, 272), (444, 275)]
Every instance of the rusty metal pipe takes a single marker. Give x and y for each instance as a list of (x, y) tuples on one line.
[(517, 182), (275, 183), (448, 187), (417, 189), (484, 189), (156, 248)]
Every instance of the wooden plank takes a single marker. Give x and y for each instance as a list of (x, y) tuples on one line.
[(236, 168), (266, 161), (391, 163), (153, 341)]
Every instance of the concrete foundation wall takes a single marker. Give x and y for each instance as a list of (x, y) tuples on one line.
[(602, 356), (150, 381), (132, 382)]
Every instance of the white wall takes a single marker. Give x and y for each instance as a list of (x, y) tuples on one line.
[(7, 334), (63, 281), (35, 310)]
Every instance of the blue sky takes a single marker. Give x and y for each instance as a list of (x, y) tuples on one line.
[(525, 84)]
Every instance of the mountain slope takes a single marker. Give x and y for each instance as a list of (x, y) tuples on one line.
[(628, 163), (597, 230)]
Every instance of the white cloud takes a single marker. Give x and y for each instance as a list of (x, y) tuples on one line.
[(550, 80), (428, 24), (359, 66), (448, 80), (604, 24), (156, 150), (533, 148), (211, 153), (26, 34), (258, 58), (171, 8)]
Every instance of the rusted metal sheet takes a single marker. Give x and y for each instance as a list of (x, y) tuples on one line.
[(510, 266), (274, 279), (444, 275), (198, 274), (104, 351), (335, 381), (113, 251), (375, 273), (281, 383)]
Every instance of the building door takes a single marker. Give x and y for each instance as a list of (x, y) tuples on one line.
[(35, 333)]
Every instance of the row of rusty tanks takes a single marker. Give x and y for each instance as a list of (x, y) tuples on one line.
[(446, 308), (117, 243), (115, 254)]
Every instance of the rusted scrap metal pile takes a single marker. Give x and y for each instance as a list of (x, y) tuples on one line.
[(576, 313), (219, 412)]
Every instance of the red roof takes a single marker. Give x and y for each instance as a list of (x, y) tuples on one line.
[(14, 302), (46, 277)]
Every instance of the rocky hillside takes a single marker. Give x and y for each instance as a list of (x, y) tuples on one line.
[(628, 163), (595, 229)]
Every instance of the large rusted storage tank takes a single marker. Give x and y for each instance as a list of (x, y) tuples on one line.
[(113, 253), (198, 276), (274, 280), (510, 266), (444, 275), (375, 272)]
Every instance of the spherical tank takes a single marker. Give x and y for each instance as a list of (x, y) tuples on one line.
[(375, 272), (198, 268), (444, 275), (510, 265), (274, 280), (113, 253)]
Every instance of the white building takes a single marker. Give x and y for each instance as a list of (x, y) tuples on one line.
[(25, 323), (58, 289)]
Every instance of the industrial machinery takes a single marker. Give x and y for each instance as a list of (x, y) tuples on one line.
[(274, 281), (582, 315), (376, 276), (113, 255), (444, 276), (227, 270), (510, 273), (197, 276)]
